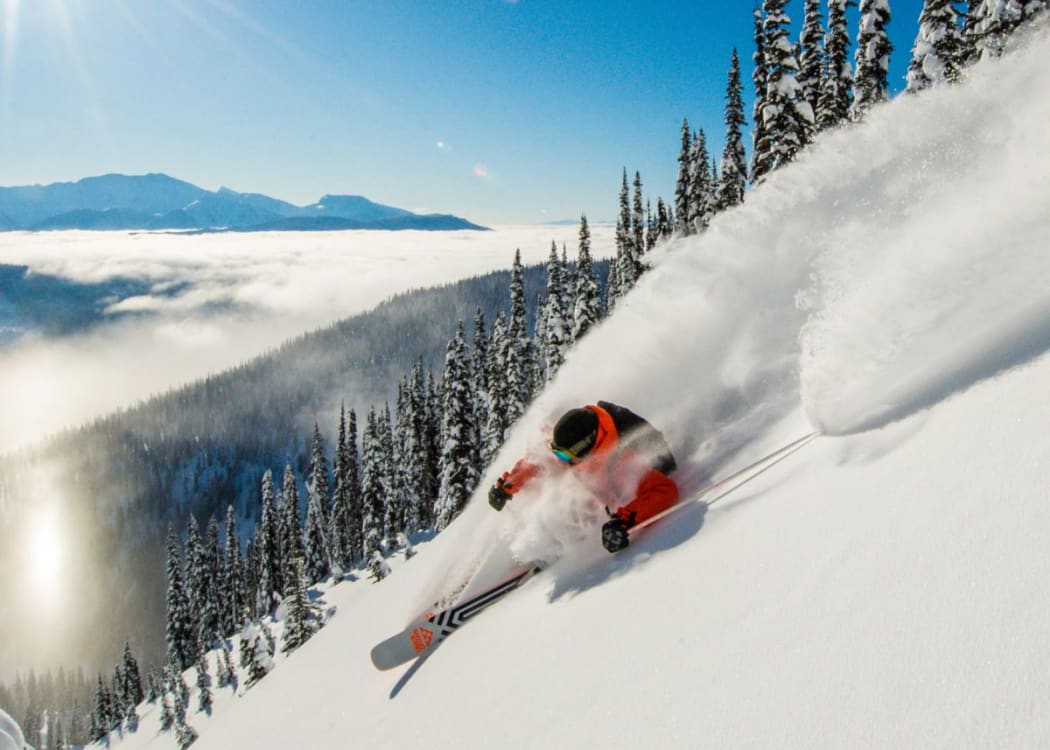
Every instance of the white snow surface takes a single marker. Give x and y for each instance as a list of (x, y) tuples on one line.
[(885, 587)]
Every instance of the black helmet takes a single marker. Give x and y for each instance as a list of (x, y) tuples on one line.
[(574, 434)]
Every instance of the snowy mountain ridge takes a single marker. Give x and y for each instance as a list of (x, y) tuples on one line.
[(885, 587)]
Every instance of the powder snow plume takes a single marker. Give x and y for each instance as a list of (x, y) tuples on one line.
[(823, 293)]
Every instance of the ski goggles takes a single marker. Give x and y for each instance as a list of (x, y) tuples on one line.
[(564, 455)]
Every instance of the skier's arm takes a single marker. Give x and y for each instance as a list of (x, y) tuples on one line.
[(511, 482), (656, 493)]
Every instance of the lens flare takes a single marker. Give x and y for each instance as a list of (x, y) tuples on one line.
[(480, 170)]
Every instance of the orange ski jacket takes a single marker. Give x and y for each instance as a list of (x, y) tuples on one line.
[(626, 469)]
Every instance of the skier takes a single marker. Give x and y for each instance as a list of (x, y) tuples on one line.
[(621, 458)]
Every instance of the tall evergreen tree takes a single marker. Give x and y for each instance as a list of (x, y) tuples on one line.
[(937, 55), (179, 630), (495, 428), (760, 156), (203, 683), (479, 374), (872, 58), (836, 86), (393, 510), (733, 181), (233, 583), (317, 487), (415, 446), (787, 118), (637, 222), (701, 193), (811, 53), (268, 540), (587, 306), (556, 329), (302, 616), (132, 677), (101, 716), (196, 580), (353, 483), (681, 190), (459, 457), (210, 626), (339, 511), (291, 527), (520, 353), (372, 490)]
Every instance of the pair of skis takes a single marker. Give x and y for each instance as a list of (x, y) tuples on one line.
[(427, 632)]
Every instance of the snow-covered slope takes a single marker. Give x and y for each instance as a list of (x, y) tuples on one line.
[(885, 587)]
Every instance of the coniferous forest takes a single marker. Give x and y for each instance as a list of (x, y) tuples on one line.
[(203, 510)]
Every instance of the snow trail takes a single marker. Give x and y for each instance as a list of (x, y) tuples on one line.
[(825, 292)]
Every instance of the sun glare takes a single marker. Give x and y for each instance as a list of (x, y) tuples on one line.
[(45, 550)]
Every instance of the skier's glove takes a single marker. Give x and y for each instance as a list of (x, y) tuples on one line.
[(614, 532), (498, 496)]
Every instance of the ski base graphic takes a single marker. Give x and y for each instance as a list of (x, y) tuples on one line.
[(429, 631)]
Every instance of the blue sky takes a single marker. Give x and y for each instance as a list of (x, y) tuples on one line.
[(503, 112)]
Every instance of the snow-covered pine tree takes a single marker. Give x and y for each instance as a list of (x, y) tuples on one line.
[(556, 328), (233, 584), (937, 55), (100, 716), (339, 511), (179, 630), (317, 488), (414, 452), (459, 457), (152, 688), (760, 144), (433, 417), (496, 425), (520, 351), (167, 713), (479, 374), (378, 569), (203, 683), (291, 531), (185, 735), (132, 688), (196, 583), (407, 549), (811, 53), (871, 85), (701, 193), (733, 181), (210, 627), (373, 492), (681, 189), (393, 504), (651, 229), (302, 621), (400, 449), (353, 484), (664, 221), (227, 675), (836, 86), (587, 305), (637, 223), (255, 658), (118, 704), (787, 118), (995, 20), (268, 541), (568, 292)]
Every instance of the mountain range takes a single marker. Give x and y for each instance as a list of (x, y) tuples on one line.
[(158, 201)]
